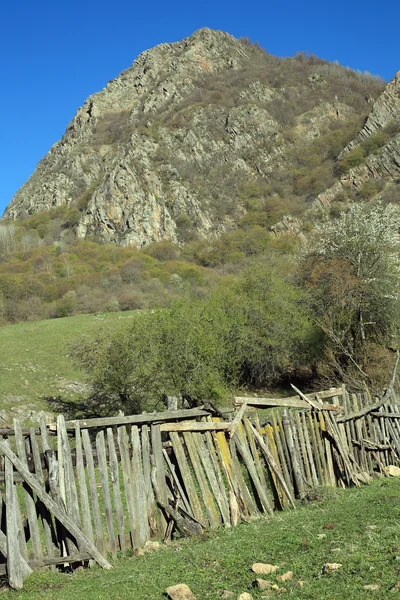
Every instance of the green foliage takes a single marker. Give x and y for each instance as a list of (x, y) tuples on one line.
[(249, 331), (352, 270)]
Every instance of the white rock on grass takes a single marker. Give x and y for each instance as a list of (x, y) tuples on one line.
[(180, 592), (264, 568)]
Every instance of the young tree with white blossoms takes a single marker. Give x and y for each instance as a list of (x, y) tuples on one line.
[(353, 272)]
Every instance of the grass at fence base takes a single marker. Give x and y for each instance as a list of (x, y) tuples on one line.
[(363, 535)]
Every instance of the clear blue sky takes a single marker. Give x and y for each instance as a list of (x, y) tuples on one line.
[(54, 54)]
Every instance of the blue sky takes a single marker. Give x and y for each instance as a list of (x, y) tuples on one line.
[(54, 54)]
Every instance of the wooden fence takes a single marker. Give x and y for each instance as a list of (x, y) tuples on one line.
[(90, 490)]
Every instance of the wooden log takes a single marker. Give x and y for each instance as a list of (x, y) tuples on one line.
[(105, 486), (293, 402), (207, 496), (94, 498), (174, 415), (195, 426), (53, 507), (138, 488), (212, 478), (310, 402), (29, 499)]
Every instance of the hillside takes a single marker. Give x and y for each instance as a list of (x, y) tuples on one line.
[(200, 135), (34, 362)]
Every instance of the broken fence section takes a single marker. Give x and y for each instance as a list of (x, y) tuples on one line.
[(99, 488)]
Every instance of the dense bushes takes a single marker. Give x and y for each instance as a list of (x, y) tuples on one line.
[(250, 331)]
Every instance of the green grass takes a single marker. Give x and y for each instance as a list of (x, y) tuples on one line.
[(365, 538), (34, 358)]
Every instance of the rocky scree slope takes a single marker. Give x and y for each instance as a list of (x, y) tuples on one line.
[(196, 134)]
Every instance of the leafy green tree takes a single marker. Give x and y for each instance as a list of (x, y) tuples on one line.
[(352, 271), (249, 331)]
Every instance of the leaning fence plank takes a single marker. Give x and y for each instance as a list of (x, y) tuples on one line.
[(212, 479), (71, 495), (53, 506), (186, 477), (177, 483), (139, 491), (127, 476), (98, 528), (158, 457), (114, 473), (279, 494), (303, 449), (255, 454), (29, 499), (25, 567), (105, 486), (277, 430), (14, 567), (207, 496), (218, 473), (247, 500), (48, 526), (80, 467), (248, 461), (328, 452), (272, 465), (314, 477), (151, 517), (297, 474)]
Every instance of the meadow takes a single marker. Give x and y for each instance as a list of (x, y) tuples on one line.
[(357, 528)]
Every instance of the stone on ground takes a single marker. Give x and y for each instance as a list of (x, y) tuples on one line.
[(285, 577), (180, 592), (264, 568)]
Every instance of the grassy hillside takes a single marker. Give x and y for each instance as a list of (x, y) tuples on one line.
[(34, 358), (358, 528)]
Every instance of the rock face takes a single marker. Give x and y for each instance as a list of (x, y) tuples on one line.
[(165, 149), (383, 165)]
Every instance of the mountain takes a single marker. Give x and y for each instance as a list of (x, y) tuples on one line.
[(204, 134)]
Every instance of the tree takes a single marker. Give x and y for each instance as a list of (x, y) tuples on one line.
[(352, 269), (249, 331)]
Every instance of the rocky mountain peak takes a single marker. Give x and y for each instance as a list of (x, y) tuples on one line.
[(191, 137)]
